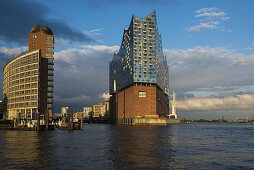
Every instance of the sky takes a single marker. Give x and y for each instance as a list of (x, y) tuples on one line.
[(209, 47)]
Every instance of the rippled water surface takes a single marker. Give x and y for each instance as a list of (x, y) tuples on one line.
[(100, 146)]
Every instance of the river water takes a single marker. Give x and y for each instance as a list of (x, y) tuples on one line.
[(102, 146)]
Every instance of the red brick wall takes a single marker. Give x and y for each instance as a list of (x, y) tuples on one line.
[(162, 106), (128, 100), (40, 42)]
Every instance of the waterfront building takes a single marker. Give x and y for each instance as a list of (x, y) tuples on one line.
[(138, 73), (41, 37), (87, 112), (28, 78), (98, 111), (64, 111)]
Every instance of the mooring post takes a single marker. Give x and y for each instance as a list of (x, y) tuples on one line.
[(72, 114), (69, 122), (81, 122), (38, 121), (47, 119)]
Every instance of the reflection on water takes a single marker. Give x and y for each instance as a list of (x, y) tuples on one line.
[(24, 149), (99, 146), (136, 147)]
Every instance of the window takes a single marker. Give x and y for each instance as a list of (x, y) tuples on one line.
[(49, 55), (142, 94), (49, 38), (49, 44)]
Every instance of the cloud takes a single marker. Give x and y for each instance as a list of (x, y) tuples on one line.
[(239, 102), (94, 32), (105, 96), (104, 3), (17, 17), (201, 26), (251, 47), (206, 67), (210, 12), (210, 18), (10, 52), (213, 79), (81, 75), (6, 54)]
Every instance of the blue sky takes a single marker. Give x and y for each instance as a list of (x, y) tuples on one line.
[(173, 17), (208, 44)]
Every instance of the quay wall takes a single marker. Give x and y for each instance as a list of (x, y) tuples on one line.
[(148, 121)]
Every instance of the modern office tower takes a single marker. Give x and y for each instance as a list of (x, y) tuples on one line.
[(138, 73), (28, 78), (41, 37)]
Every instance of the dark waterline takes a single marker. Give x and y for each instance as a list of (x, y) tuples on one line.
[(100, 146)]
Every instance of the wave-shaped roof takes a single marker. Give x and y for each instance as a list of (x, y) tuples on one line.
[(152, 13), (41, 29)]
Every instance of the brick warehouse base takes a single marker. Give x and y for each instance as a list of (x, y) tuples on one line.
[(139, 100)]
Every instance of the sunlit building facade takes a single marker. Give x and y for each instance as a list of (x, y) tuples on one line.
[(138, 73), (28, 78), (41, 37)]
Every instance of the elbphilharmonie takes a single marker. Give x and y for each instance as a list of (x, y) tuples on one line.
[(138, 73)]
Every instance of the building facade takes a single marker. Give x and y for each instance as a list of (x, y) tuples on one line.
[(64, 111), (98, 111), (41, 37), (28, 79), (87, 112), (138, 73)]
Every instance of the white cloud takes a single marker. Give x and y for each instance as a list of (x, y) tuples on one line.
[(201, 26), (85, 52), (12, 51), (210, 12), (105, 96), (94, 32), (205, 67), (210, 18), (102, 48), (81, 74), (239, 102)]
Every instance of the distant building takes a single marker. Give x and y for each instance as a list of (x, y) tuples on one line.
[(28, 78), (57, 115), (78, 115), (98, 111), (64, 111), (138, 73), (87, 112)]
